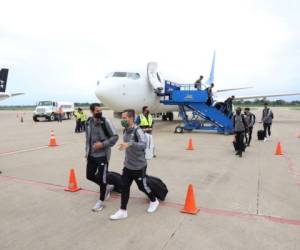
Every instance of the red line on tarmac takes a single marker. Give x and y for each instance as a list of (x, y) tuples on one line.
[(22, 150), (211, 211), (30, 149)]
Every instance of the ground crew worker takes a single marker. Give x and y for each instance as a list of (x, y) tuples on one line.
[(239, 125), (250, 120), (228, 105), (60, 114), (135, 165), (198, 83), (145, 122), (210, 95), (78, 120), (100, 137), (83, 119), (267, 119)]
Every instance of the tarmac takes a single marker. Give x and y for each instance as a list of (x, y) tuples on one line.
[(245, 203)]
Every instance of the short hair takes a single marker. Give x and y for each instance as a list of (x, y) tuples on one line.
[(144, 108), (239, 108), (212, 85), (94, 105), (248, 109), (266, 104), (130, 112)]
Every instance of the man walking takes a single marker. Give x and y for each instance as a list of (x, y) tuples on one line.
[(267, 119), (250, 120), (239, 125), (100, 137), (135, 165)]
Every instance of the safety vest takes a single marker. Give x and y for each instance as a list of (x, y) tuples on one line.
[(77, 115), (146, 122), (83, 117)]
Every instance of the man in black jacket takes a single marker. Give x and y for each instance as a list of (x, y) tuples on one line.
[(239, 125)]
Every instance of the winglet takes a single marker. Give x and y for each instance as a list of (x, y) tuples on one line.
[(211, 78)]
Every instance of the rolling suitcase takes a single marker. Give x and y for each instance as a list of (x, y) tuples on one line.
[(115, 179), (157, 186), (261, 135)]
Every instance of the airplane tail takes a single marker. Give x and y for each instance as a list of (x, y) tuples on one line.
[(3, 79), (211, 78)]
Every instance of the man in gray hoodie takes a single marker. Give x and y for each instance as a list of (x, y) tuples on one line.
[(100, 137), (267, 119), (135, 164)]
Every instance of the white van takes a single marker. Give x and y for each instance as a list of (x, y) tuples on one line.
[(49, 110)]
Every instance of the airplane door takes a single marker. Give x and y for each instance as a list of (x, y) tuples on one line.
[(153, 77)]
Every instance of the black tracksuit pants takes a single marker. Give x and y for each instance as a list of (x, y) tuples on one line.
[(96, 171), (267, 128), (240, 142), (249, 135), (139, 176)]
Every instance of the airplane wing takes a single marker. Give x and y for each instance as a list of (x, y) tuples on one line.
[(264, 96), (225, 90)]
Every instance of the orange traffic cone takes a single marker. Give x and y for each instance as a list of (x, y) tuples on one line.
[(278, 149), (190, 145), (52, 142), (190, 203), (72, 186)]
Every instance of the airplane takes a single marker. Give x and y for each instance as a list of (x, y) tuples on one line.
[(3, 82), (121, 90)]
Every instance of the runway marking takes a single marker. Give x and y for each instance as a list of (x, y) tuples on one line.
[(211, 211), (31, 149)]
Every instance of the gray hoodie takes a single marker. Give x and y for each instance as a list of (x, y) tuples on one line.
[(267, 116), (135, 154), (95, 133)]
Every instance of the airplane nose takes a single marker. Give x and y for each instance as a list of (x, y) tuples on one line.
[(106, 92)]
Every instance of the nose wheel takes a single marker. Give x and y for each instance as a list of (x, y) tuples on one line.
[(179, 130)]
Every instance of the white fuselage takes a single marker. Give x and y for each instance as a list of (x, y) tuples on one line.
[(120, 93)]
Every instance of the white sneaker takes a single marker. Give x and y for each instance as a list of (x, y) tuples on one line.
[(153, 206), (120, 214), (266, 139), (109, 188), (98, 207)]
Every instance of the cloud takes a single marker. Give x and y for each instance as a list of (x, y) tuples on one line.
[(59, 49)]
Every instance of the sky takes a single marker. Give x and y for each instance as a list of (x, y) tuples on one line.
[(59, 49)]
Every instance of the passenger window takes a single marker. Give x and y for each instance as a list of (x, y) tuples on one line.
[(120, 74), (134, 76)]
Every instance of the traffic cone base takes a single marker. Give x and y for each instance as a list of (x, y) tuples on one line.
[(278, 149), (190, 203), (52, 142), (190, 145), (72, 186)]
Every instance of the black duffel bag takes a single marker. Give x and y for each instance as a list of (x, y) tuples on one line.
[(115, 179), (261, 135), (157, 186)]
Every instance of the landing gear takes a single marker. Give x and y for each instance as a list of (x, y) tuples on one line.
[(168, 116)]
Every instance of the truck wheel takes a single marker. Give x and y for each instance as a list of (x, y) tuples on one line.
[(178, 130), (52, 117), (35, 119), (164, 117)]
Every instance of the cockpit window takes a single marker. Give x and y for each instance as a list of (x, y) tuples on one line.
[(133, 75), (119, 74)]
